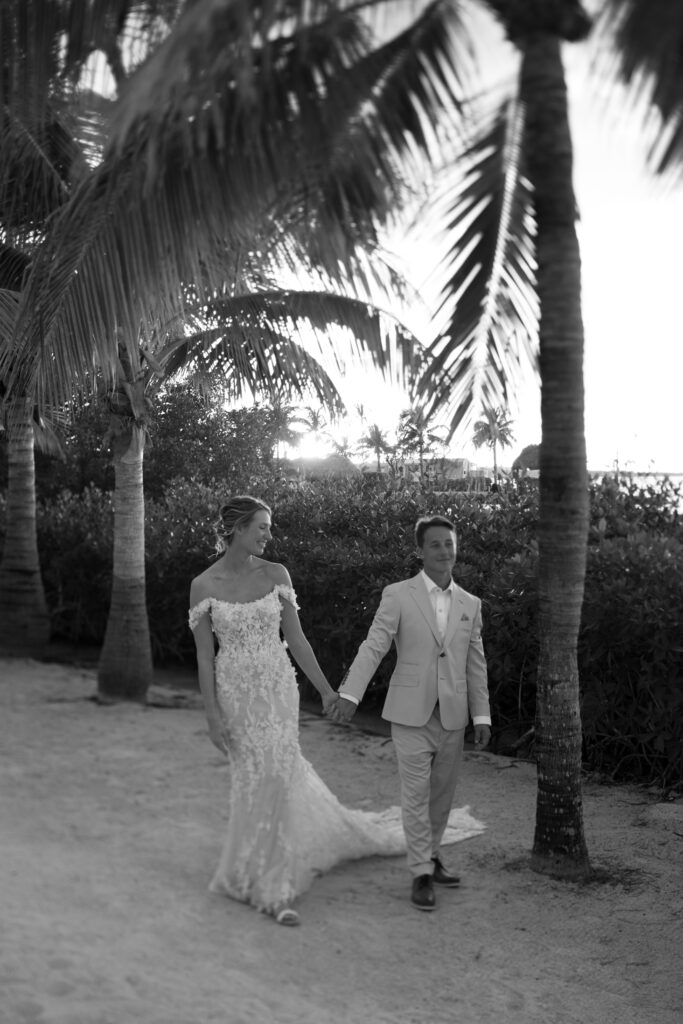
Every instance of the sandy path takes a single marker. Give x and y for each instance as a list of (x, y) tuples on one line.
[(110, 824)]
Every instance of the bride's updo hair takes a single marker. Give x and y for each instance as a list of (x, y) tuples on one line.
[(235, 512)]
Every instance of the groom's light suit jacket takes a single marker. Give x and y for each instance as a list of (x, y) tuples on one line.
[(452, 670)]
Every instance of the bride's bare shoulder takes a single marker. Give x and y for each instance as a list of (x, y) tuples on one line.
[(276, 573), (203, 585)]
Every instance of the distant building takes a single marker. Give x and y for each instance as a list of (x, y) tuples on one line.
[(318, 469), (456, 469)]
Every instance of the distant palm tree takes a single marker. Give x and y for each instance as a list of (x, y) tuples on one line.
[(375, 440), (415, 435), (315, 419), (284, 417), (342, 446), (494, 430)]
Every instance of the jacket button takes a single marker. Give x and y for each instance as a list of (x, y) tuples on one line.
[(443, 654)]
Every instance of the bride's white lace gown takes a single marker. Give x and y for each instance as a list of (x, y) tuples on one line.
[(284, 826)]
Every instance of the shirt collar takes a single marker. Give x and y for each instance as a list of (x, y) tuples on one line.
[(431, 585)]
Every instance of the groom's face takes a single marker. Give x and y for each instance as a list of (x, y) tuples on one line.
[(438, 550)]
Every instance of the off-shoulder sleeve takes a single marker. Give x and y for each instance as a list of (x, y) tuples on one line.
[(198, 610), (288, 594)]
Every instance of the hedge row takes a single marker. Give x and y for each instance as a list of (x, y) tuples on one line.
[(344, 541)]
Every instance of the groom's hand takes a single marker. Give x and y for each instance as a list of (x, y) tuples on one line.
[(482, 736)]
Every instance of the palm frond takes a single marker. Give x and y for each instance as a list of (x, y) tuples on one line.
[(11, 275), (44, 45), (46, 435), (148, 222), (314, 115), (332, 330), (36, 162), (262, 363), (641, 43), (488, 315), (338, 328), (14, 266)]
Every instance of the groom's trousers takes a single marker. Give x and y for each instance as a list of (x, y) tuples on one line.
[(429, 758)]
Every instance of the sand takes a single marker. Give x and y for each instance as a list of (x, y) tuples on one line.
[(111, 821)]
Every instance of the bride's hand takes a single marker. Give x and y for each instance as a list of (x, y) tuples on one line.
[(218, 733)]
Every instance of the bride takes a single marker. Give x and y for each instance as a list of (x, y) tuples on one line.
[(284, 825)]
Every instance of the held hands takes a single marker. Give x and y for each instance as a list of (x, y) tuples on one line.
[(337, 709), (341, 711), (330, 701)]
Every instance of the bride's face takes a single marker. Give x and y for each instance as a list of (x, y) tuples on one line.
[(256, 533)]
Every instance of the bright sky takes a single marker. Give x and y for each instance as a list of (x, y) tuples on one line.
[(631, 235)]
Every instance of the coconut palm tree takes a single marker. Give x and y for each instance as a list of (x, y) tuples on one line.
[(342, 446), (121, 361), (375, 440), (284, 418), (50, 132), (40, 161), (247, 344), (513, 213), (414, 435), (243, 361), (316, 421), (493, 430)]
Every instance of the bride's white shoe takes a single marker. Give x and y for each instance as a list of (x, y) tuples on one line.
[(287, 916)]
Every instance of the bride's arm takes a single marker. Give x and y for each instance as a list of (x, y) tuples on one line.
[(302, 652), (298, 645)]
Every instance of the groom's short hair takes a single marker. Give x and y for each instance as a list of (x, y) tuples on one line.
[(423, 524)]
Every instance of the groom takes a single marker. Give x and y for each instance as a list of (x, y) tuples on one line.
[(439, 681)]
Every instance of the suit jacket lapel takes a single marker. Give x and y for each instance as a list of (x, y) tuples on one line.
[(421, 598), (457, 606)]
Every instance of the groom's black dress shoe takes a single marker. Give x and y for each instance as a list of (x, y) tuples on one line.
[(422, 895), (443, 877)]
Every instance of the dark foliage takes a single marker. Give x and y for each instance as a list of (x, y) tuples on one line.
[(189, 436), (528, 458)]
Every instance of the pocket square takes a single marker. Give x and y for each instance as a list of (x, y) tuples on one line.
[(464, 617)]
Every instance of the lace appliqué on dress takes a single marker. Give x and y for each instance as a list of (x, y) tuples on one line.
[(202, 607), (197, 611)]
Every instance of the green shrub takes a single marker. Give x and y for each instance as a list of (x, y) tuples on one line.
[(510, 612), (75, 545), (179, 544), (620, 507), (631, 658)]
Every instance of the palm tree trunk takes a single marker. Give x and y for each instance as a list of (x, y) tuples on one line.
[(24, 618), (559, 843), (125, 669)]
